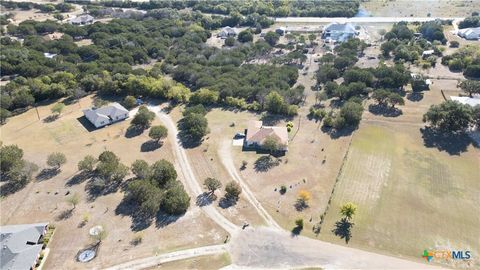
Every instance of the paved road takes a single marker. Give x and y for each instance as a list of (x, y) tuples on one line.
[(169, 257), (361, 19), (270, 248), (187, 171), (225, 154)]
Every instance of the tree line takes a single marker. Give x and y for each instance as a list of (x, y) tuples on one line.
[(314, 8), (106, 65)]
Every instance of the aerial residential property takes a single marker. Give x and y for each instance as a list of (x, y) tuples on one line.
[(233, 134)]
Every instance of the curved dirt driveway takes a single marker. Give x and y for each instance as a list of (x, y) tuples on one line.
[(225, 155), (188, 175)]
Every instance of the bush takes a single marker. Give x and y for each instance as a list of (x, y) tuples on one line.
[(283, 189), (472, 71), (455, 65), (130, 102), (299, 223), (233, 191), (454, 44), (245, 36), (230, 41)]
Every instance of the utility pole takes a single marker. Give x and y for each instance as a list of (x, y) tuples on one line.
[(38, 115)]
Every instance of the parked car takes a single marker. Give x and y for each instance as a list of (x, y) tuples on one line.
[(239, 135)]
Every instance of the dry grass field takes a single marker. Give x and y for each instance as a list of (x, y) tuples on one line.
[(414, 191), (421, 8), (44, 199), (302, 168), (199, 263)]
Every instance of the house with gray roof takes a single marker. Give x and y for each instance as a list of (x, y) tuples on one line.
[(470, 33), (339, 32), (21, 245), (82, 20), (227, 32), (106, 115)]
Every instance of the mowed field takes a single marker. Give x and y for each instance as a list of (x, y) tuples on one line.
[(421, 8), (44, 199), (411, 196)]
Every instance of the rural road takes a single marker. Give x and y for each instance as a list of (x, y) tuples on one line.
[(273, 249), (225, 155), (187, 171), (169, 257), (361, 19)]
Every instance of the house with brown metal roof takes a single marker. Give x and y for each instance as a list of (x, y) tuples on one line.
[(257, 133)]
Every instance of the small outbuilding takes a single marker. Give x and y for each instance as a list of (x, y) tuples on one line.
[(427, 53), (49, 55), (257, 133), (82, 20), (106, 115)]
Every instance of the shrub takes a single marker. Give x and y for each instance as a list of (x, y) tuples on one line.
[(299, 223)]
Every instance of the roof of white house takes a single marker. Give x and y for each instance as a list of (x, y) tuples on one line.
[(19, 245), (257, 133), (108, 112), (340, 27), (227, 30), (339, 31), (472, 101), (428, 52), (469, 32), (49, 55), (82, 19)]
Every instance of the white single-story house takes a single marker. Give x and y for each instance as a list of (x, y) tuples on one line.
[(257, 133), (103, 116), (469, 33), (227, 32), (339, 32), (21, 245), (427, 53), (49, 55), (472, 101), (82, 20)]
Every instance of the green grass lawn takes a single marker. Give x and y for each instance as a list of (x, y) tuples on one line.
[(409, 197)]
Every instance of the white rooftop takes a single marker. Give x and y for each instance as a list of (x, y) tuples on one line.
[(472, 101)]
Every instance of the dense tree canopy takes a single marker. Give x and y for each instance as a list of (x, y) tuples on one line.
[(156, 187)]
